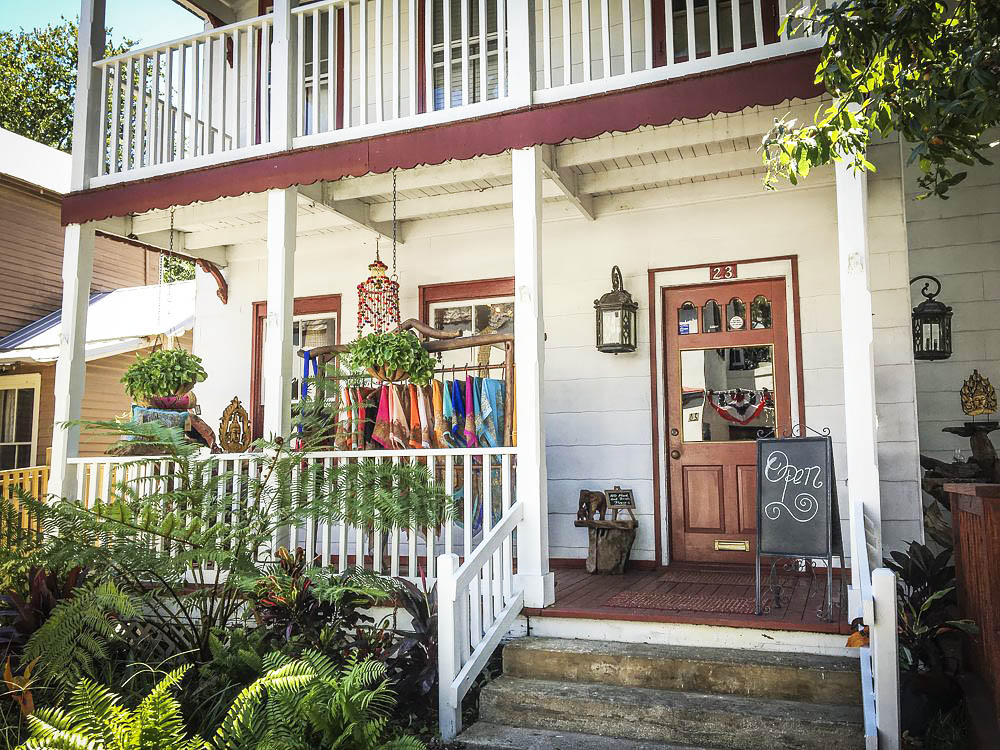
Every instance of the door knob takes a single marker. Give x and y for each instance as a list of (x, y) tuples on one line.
[(675, 454)]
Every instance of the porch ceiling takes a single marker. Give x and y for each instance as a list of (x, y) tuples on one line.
[(580, 173)]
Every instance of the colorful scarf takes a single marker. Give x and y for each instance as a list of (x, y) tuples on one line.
[(492, 406), (426, 415), (469, 429), (437, 405), (399, 435), (458, 413), (382, 428), (414, 416)]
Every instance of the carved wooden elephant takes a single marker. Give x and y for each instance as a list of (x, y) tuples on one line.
[(591, 504)]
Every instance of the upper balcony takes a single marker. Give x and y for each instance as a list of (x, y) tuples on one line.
[(341, 70)]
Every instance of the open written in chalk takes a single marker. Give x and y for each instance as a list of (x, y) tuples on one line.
[(797, 514)]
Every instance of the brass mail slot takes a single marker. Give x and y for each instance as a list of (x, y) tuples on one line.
[(731, 545)]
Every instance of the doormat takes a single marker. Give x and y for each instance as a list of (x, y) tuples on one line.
[(709, 576), (733, 605)]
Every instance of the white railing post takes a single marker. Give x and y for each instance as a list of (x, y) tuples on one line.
[(277, 366), (529, 351), (78, 248), (449, 654), (284, 79), (857, 336), (521, 50), (885, 654)]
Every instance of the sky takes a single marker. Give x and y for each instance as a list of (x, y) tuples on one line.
[(145, 21)]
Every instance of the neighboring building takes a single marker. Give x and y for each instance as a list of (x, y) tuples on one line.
[(33, 179), (516, 160)]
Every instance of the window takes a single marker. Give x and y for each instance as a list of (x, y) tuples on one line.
[(474, 83), (316, 322), (473, 308), (18, 420)]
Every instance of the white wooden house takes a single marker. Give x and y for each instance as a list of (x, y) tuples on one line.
[(530, 147)]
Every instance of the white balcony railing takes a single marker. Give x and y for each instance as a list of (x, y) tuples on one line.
[(478, 479), (366, 67)]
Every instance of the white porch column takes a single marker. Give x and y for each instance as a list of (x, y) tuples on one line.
[(283, 88), (521, 53), (529, 353), (78, 252), (277, 363), (857, 335)]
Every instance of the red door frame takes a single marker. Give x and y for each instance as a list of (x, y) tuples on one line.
[(654, 399), (322, 303)]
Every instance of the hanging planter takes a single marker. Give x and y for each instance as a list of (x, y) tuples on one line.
[(164, 377), (392, 358)]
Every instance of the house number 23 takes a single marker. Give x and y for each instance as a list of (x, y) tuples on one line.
[(722, 273)]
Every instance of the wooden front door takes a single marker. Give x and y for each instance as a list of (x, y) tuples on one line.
[(726, 379)]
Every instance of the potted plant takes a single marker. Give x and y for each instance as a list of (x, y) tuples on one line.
[(163, 378), (392, 357)]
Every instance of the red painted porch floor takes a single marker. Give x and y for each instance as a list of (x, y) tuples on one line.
[(720, 589)]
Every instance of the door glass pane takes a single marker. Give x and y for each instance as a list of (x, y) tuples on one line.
[(687, 319), (760, 312), (8, 457), (727, 394), (25, 415), (736, 314), (712, 316)]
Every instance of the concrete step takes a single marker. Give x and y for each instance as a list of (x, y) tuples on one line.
[(721, 722), (486, 736), (761, 674)]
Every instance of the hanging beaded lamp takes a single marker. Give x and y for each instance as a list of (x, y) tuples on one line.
[(378, 295)]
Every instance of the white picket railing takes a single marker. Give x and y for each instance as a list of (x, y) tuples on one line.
[(367, 67), (195, 101), (483, 478), (876, 605)]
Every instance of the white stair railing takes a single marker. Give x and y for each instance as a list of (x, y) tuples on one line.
[(478, 602), (876, 605)]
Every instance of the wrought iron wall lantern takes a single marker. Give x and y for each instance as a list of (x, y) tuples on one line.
[(616, 318), (931, 324)]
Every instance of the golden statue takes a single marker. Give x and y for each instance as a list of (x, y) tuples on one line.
[(234, 428), (978, 395)]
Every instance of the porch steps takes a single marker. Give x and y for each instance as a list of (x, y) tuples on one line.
[(657, 695)]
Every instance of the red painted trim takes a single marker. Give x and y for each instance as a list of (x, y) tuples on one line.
[(340, 68), (422, 53), (453, 291), (731, 90), (321, 303), (658, 18)]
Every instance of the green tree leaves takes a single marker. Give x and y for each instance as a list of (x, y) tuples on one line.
[(38, 81), (925, 69)]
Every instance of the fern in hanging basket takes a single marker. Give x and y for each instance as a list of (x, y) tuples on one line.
[(164, 373), (391, 357)]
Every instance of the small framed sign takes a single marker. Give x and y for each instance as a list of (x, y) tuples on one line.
[(723, 273), (619, 498)]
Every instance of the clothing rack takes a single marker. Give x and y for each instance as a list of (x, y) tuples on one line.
[(436, 341)]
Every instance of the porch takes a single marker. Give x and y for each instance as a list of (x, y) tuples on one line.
[(275, 249)]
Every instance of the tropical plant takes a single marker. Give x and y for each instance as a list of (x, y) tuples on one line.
[(394, 355), (925, 603), (297, 705), (323, 612), (78, 634), (346, 707), (165, 372), (29, 611), (412, 662), (927, 70)]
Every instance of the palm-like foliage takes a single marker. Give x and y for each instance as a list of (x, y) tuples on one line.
[(306, 703)]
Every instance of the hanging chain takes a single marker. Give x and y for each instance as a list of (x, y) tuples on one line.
[(163, 270), (395, 275)]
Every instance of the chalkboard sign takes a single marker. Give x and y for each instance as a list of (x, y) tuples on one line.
[(797, 514), (619, 498)]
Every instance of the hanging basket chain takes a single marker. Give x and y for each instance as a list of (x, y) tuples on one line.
[(378, 295)]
